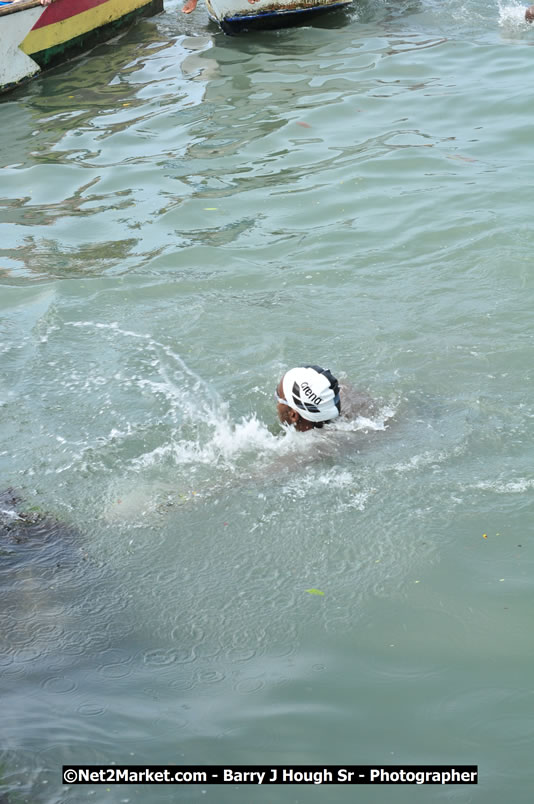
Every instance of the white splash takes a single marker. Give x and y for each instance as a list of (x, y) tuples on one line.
[(512, 16), (365, 423), (510, 487), (224, 443), (9, 515)]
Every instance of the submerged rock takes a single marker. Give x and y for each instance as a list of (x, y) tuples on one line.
[(30, 535)]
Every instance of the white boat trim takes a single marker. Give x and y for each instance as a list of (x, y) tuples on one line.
[(15, 65)]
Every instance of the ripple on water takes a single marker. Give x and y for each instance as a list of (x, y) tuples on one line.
[(52, 632), (209, 676), (240, 654), (9, 621), (84, 642), (281, 649), (22, 635), (14, 670), (91, 709), (20, 770), (407, 671), (185, 682), (188, 633), (491, 715), (205, 650), (184, 655), (28, 654), (58, 684), (247, 686), (116, 664), (162, 724), (160, 657)]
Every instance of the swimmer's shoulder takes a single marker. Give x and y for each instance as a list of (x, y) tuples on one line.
[(355, 402)]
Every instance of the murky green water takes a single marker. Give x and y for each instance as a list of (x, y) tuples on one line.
[(185, 215)]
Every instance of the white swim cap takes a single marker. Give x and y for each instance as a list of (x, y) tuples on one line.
[(313, 392)]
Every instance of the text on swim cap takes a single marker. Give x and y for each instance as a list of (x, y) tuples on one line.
[(309, 393)]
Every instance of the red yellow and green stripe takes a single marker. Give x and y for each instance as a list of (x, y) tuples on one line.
[(73, 25)]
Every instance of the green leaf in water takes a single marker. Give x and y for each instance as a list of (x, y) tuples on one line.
[(315, 592)]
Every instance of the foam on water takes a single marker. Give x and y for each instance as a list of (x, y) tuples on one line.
[(519, 486), (380, 421), (335, 481)]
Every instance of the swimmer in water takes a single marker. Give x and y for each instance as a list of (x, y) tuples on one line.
[(529, 14), (309, 397)]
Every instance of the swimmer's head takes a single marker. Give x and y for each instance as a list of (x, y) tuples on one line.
[(529, 14), (307, 396)]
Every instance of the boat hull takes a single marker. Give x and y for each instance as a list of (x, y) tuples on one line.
[(236, 16), (35, 37)]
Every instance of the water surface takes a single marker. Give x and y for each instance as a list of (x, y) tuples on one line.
[(184, 216)]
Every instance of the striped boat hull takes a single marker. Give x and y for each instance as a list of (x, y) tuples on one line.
[(34, 37)]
